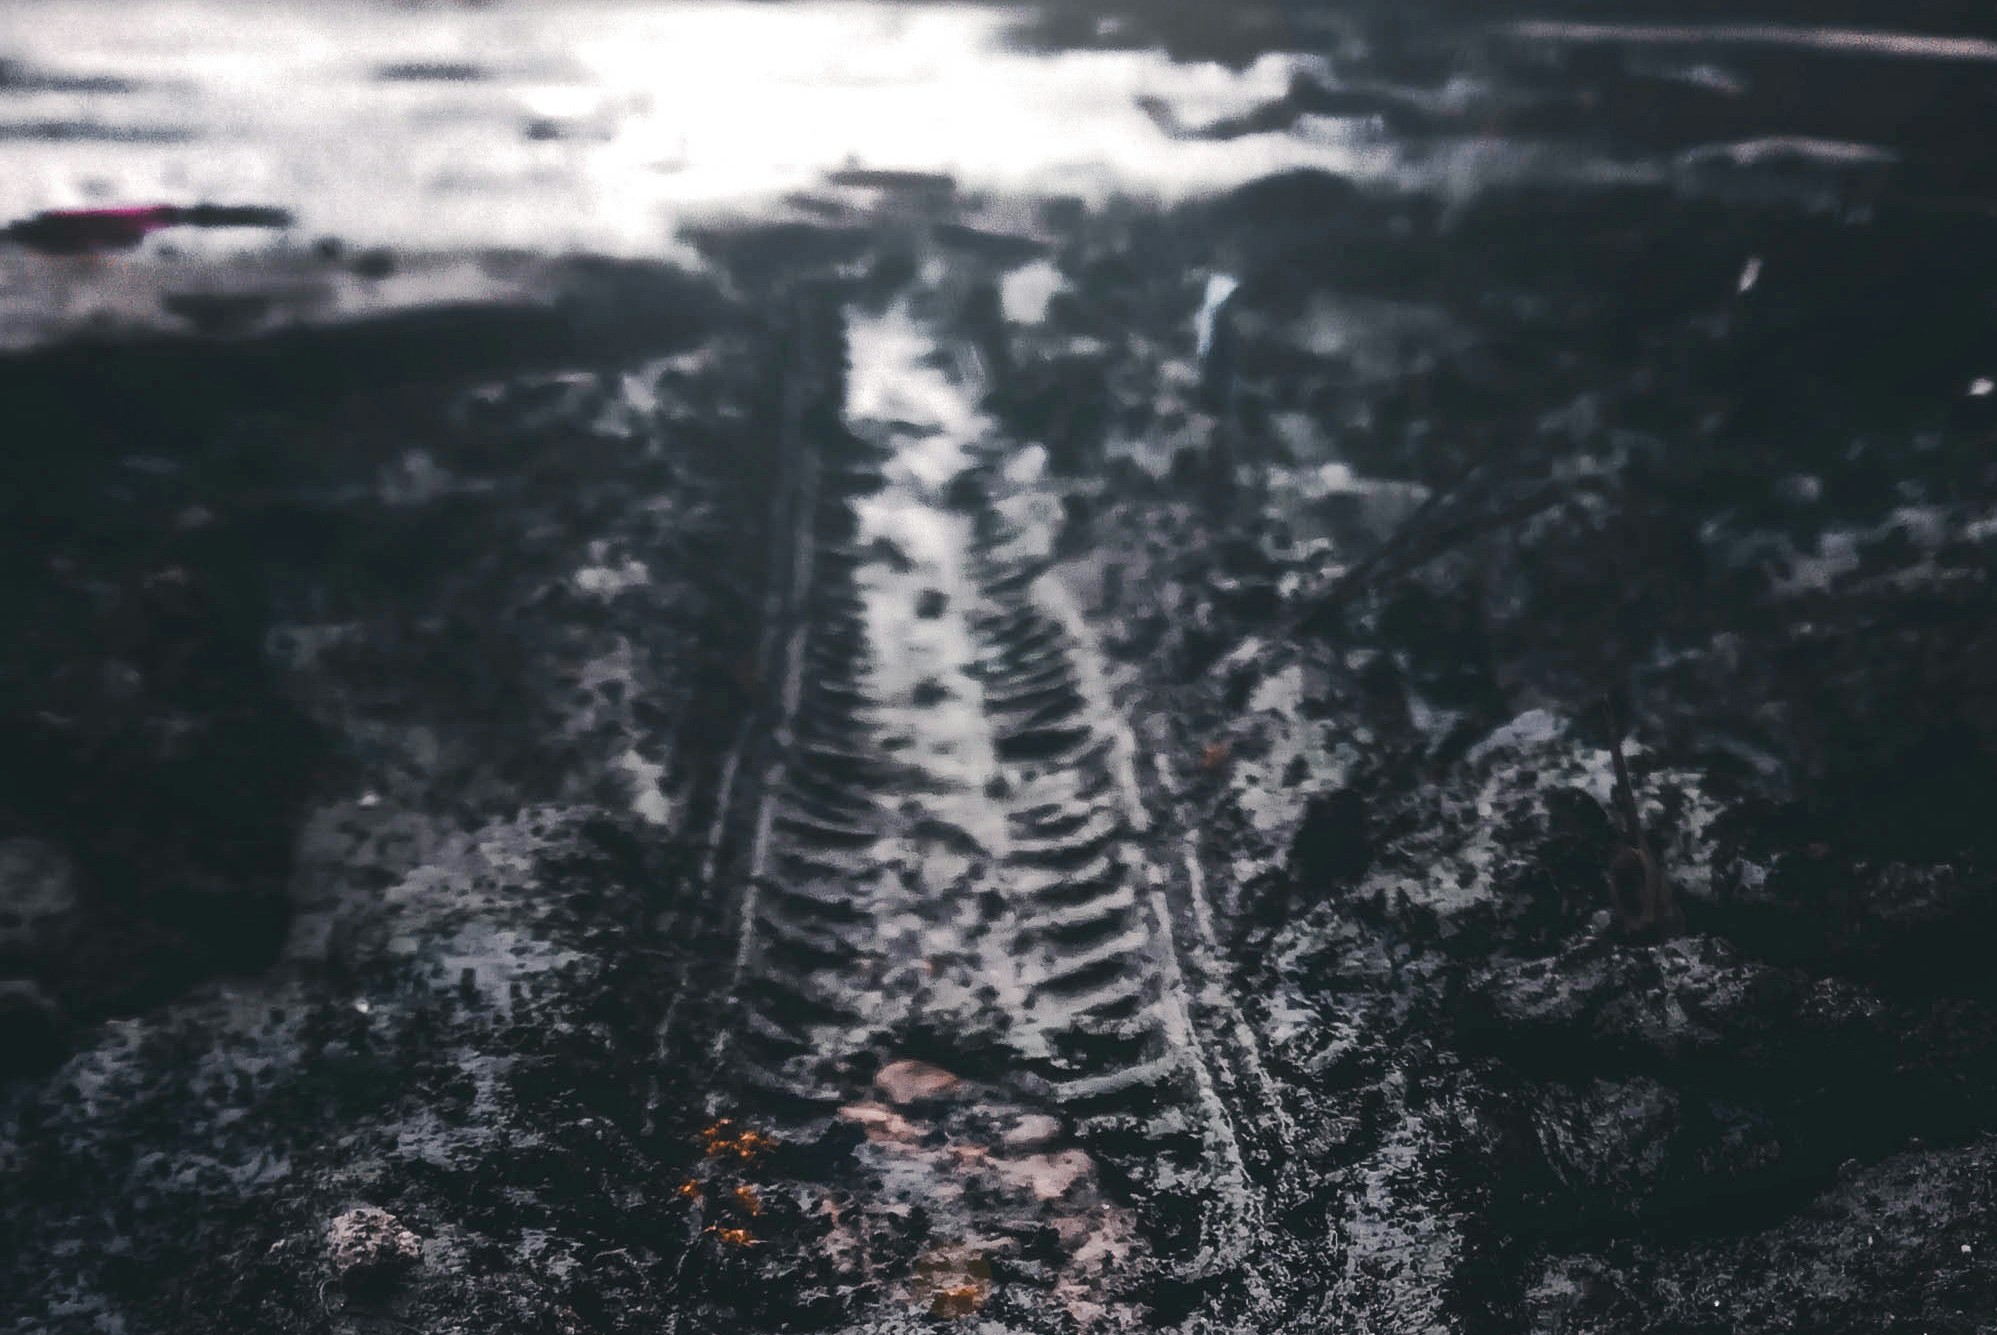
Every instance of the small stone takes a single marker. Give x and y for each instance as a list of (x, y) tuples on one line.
[(370, 1250), (1048, 1176), (913, 1081), (1030, 1130), (883, 1125), (929, 604)]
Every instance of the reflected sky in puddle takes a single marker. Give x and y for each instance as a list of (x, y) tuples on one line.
[(596, 126)]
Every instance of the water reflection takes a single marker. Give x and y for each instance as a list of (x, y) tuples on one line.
[(596, 125)]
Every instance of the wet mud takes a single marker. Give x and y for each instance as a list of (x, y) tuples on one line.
[(1340, 754)]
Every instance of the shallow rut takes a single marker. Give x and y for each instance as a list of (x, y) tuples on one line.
[(958, 929)]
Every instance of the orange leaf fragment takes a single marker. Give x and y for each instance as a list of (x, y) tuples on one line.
[(958, 1302), (725, 1138), (953, 1282)]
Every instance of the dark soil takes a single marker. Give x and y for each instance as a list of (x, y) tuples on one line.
[(1554, 619)]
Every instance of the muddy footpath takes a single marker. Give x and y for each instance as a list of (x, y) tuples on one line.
[(1394, 753)]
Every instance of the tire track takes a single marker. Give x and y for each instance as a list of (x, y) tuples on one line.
[(947, 857), (1109, 1001), (804, 940)]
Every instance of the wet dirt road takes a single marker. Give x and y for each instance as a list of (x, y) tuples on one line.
[(1054, 761)]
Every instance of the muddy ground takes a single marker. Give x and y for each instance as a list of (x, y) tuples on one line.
[(1408, 756)]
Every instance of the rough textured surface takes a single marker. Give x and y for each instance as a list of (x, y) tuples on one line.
[(452, 763)]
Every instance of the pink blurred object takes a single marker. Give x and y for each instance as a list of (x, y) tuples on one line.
[(95, 231)]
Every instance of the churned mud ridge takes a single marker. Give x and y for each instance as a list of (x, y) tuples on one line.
[(156, 520), (1466, 513), (477, 600)]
